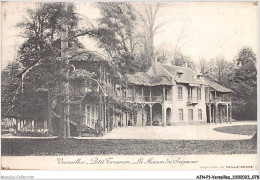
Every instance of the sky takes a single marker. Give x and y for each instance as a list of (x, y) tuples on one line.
[(208, 29)]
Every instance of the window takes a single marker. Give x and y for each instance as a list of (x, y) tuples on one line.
[(200, 114), (168, 94), (96, 112), (199, 93), (190, 93), (180, 94), (88, 115), (93, 112), (180, 114), (190, 117)]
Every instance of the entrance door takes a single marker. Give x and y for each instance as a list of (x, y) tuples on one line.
[(190, 115), (207, 111), (168, 116)]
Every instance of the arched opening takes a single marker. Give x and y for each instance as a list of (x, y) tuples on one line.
[(157, 115), (168, 116), (146, 116), (213, 113), (208, 114)]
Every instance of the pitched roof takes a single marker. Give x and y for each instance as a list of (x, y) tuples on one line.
[(164, 75), (187, 76), (141, 78), (216, 86)]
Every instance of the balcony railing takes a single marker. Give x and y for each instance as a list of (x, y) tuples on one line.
[(148, 99), (220, 99), (192, 100)]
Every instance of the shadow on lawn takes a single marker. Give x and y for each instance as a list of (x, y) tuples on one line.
[(238, 129), (55, 147)]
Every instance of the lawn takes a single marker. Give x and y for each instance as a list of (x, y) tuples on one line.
[(238, 129), (41, 147)]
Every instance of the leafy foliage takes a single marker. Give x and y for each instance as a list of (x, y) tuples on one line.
[(245, 85), (10, 89), (117, 37), (41, 29), (241, 77)]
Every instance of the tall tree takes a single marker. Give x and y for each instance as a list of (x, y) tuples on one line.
[(116, 36), (41, 32), (182, 60), (150, 26), (40, 55), (10, 89), (245, 84), (206, 67), (218, 69)]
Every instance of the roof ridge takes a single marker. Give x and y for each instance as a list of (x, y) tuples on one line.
[(175, 77)]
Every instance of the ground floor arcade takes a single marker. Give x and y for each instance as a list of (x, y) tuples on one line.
[(219, 112)]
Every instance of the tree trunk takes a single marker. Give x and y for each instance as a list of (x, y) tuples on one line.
[(50, 130), (81, 120), (62, 126), (64, 55)]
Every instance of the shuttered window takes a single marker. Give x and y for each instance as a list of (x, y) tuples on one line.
[(190, 114), (180, 114), (180, 93), (199, 93), (200, 114)]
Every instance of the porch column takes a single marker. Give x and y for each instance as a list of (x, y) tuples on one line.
[(221, 115), (163, 109), (24, 123), (163, 93), (116, 118), (31, 125), (150, 93), (105, 115), (131, 116), (99, 113), (227, 114), (142, 116), (210, 119), (21, 125), (217, 114), (164, 115), (230, 113), (151, 114), (213, 115), (81, 119), (121, 119), (126, 113)]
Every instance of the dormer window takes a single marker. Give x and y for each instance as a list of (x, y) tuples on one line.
[(199, 76), (179, 73)]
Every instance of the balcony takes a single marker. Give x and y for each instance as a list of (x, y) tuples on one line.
[(192, 100), (219, 99), (148, 99)]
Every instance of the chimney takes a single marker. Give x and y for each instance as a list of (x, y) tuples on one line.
[(154, 64), (185, 64)]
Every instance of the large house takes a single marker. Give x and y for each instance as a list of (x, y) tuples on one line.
[(170, 95), (165, 95)]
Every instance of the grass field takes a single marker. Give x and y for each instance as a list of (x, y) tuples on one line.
[(41, 147)]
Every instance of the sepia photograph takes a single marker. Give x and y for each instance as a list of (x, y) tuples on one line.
[(129, 85)]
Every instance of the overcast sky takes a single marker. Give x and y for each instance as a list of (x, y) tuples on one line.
[(211, 28)]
